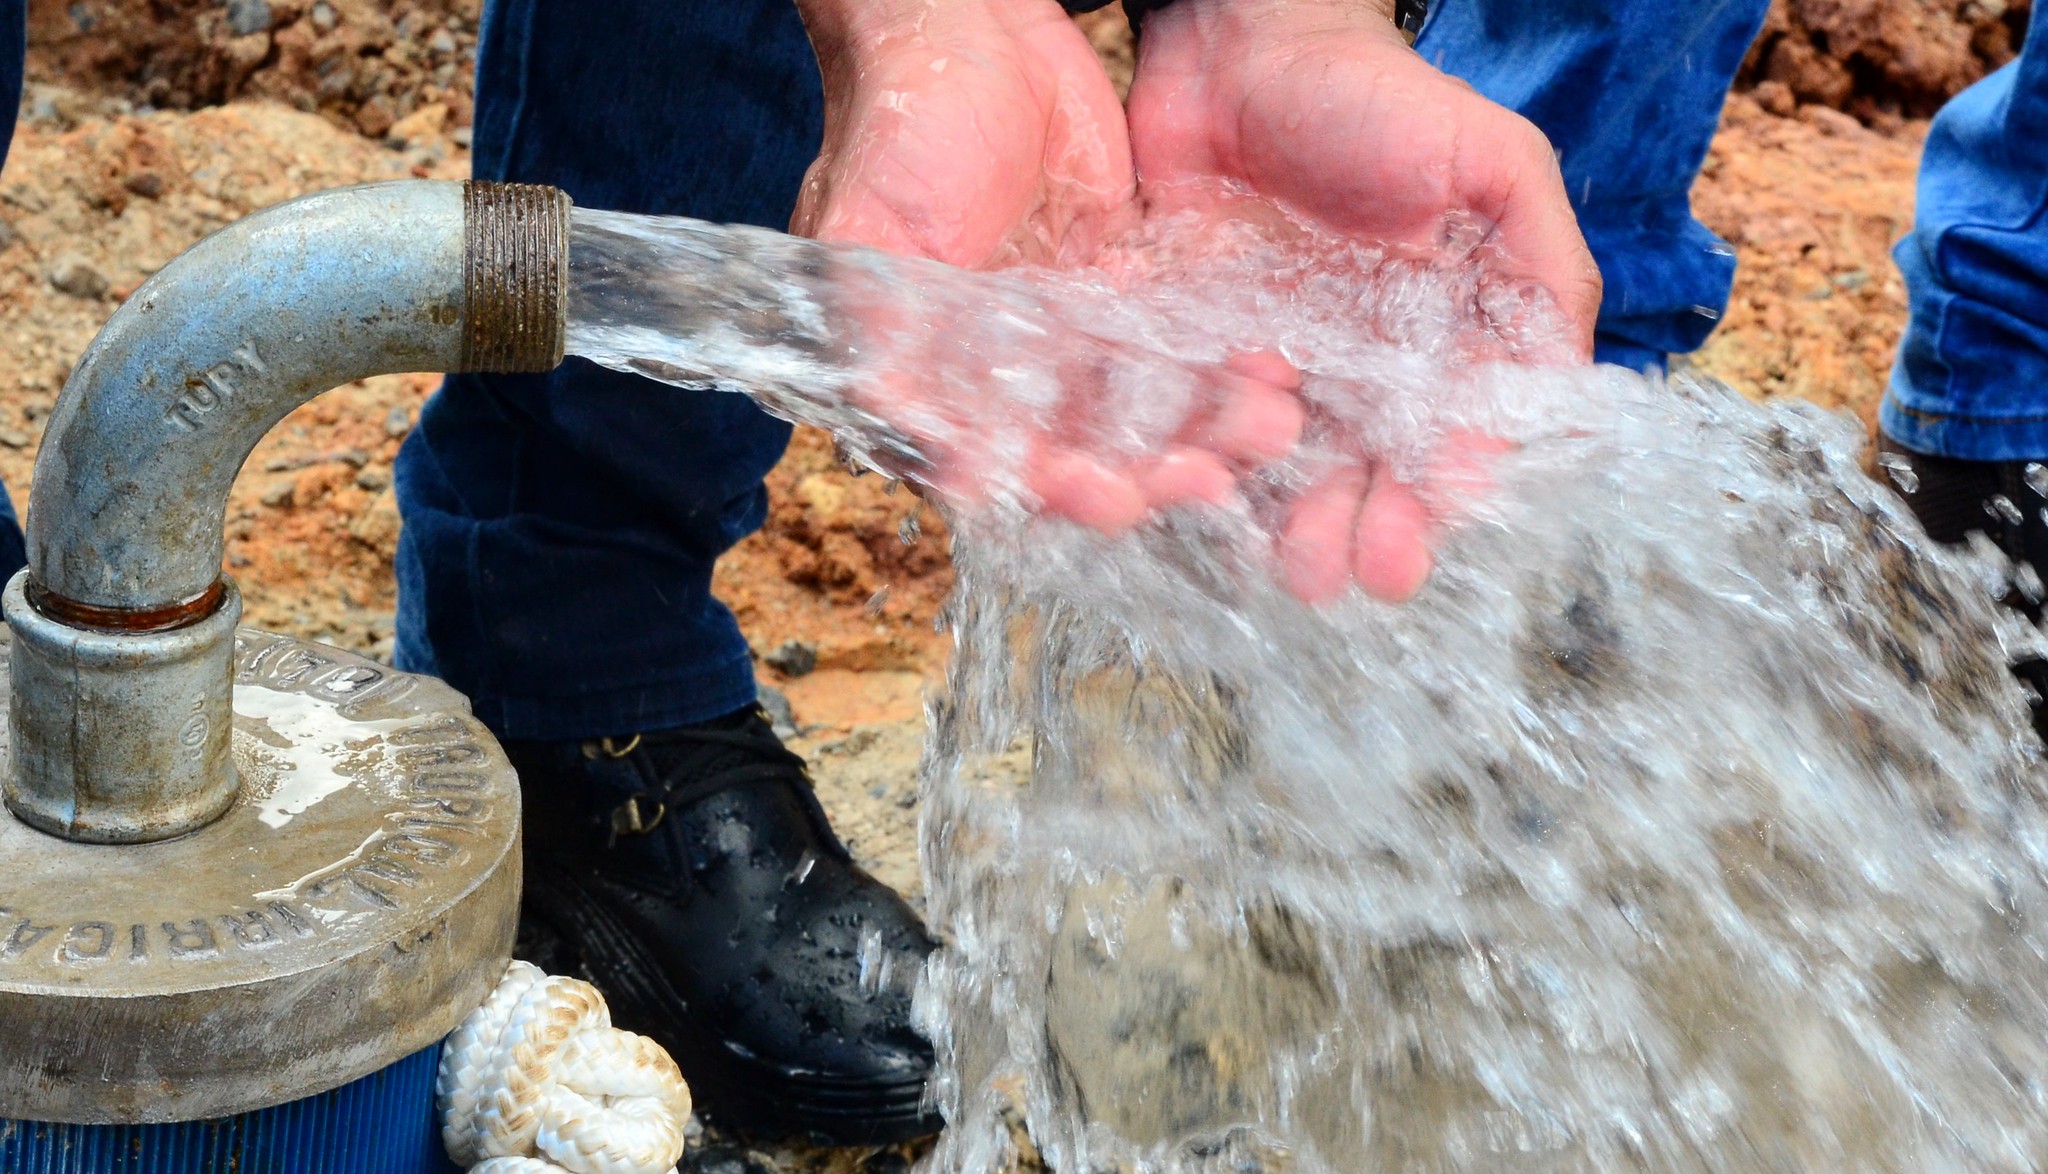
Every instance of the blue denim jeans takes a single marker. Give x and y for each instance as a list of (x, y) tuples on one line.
[(1630, 92), (1972, 376), (560, 529)]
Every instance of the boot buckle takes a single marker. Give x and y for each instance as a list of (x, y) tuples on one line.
[(638, 816), (610, 748)]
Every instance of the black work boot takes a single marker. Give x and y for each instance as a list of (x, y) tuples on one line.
[(691, 875), (2003, 500)]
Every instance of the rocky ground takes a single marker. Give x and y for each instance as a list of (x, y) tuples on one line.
[(148, 123)]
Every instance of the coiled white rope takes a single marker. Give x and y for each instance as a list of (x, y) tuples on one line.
[(538, 1081)]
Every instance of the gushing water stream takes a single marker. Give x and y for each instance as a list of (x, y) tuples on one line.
[(1688, 820)]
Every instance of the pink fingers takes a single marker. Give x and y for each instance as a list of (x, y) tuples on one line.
[(1460, 472), (1268, 367), (1257, 417), (1391, 557), (1078, 487), (1256, 422), (1186, 475), (1356, 526), (1316, 545)]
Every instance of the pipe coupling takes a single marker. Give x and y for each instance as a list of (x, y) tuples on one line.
[(515, 256), (120, 737)]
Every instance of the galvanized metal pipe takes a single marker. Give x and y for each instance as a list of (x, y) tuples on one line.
[(126, 517)]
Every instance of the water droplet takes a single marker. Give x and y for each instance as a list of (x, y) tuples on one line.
[(878, 601), (874, 963), (802, 871), (1459, 235), (2001, 506), (2028, 580), (890, 486), (1900, 470), (1707, 312), (2036, 477), (910, 529)]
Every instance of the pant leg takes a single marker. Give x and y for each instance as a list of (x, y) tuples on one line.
[(13, 46), (1971, 379), (1630, 93), (560, 530)]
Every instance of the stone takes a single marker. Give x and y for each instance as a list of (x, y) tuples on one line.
[(1776, 97), (52, 106), (374, 117), (335, 82), (781, 717), (323, 17), (378, 526), (423, 124), (1833, 123), (74, 275), (248, 17), (793, 658), (242, 57)]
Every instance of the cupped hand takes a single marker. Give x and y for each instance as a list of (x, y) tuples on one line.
[(1321, 106), (985, 133), (1225, 421)]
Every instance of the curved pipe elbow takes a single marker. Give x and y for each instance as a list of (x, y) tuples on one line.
[(131, 484), (123, 624)]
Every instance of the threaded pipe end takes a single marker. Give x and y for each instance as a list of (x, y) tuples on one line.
[(515, 276)]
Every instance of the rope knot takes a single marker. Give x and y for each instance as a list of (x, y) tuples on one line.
[(538, 1081)]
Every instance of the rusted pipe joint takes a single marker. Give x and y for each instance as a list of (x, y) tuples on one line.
[(515, 260), (128, 504), (156, 763)]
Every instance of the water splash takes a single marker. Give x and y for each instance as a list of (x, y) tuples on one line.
[(1688, 820)]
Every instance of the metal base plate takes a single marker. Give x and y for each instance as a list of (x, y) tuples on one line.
[(357, 901)]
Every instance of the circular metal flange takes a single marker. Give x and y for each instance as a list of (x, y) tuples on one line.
[(356, 902)]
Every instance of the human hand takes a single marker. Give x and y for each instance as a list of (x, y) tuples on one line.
[(984, 133), (1319, 104), (980, 133)]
